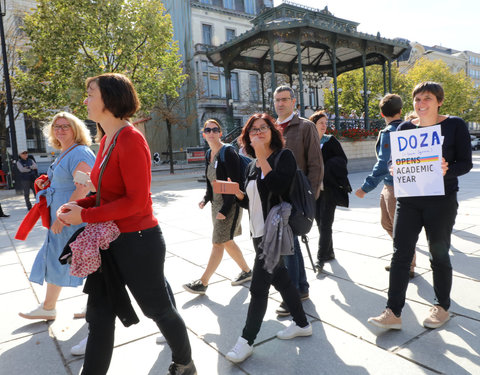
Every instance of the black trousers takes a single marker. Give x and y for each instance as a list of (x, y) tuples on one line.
[(261, 281), (324, 216), (437, 216), (28, 185), (140, 258)]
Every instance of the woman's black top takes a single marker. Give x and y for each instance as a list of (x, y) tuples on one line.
[(229, 167), (277, 182)]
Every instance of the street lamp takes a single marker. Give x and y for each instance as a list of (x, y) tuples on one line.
[(13, 135)]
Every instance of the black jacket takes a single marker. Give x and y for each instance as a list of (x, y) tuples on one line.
[(277, 182), (230, 167), (335, 179)]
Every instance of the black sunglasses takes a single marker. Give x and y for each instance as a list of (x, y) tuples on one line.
[(213, 130)]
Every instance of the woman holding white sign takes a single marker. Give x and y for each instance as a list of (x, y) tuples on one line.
[(434, 213)]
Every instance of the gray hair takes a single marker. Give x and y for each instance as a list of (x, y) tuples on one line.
[(285, 88)]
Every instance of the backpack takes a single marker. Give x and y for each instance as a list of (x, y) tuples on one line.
[(244, 160), (302, 201)]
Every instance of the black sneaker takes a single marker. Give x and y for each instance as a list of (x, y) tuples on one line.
[(195, 287), (242, 277), (177, 369), (319, 265), (283, 310)]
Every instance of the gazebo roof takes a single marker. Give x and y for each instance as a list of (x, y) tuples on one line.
[(318, 31)]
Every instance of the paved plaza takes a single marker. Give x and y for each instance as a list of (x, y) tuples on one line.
[(351, 288)]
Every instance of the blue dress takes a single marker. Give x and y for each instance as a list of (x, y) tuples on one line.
[(60, 173)]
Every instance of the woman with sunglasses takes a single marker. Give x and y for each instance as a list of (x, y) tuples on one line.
[(226, 214), (267, 184)]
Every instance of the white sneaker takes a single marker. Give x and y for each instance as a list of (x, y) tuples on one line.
[(40, 313), (240, 352), (160, 339), (294, 331), (80, 348)]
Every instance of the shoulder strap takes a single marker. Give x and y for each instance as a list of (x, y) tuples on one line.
[(65, 154), (104, 164)]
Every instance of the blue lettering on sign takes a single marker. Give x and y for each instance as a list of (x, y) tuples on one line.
[(412, 141)]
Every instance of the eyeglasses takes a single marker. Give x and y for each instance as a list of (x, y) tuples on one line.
[(282, 100), (61, 127), (261, 129), (213, 130)]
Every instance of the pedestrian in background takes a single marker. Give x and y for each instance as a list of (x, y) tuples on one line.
[(391, 110), (436, 214), (334, 189), (28, 173), (226, 214)]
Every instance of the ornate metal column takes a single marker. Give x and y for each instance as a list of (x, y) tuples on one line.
[(334, 70), (384, 71), (300, 77), (262, 78), (389, 75), (365, 89), (229, 101)]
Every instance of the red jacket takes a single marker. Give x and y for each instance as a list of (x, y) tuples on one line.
[(40, 209)]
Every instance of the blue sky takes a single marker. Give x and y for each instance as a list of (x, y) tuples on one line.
[(453, 24)]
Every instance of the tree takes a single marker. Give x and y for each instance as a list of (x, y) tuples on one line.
[(351, 85), (461, 97), (72, 40)]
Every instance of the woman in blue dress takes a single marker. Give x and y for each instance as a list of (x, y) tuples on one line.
[(68, 134)]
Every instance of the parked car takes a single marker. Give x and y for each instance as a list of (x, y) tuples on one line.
[(476, 144)]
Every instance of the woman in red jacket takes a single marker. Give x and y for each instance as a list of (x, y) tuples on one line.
[(139, 251)]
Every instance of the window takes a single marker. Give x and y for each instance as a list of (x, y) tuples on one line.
[(229, 4), (230, 34), (206, 1), (254, 97), (235, 86), (207, 34), (250, 6), (213, 80), (35, 138)]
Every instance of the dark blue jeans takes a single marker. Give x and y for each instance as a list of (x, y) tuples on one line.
[(296, 268), (140, 258), (437, 215)]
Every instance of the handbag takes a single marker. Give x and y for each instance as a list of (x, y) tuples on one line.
[(66, 256)]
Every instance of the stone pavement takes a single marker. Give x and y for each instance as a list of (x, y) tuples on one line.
[(351, 288)]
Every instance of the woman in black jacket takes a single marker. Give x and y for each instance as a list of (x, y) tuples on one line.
[(222, 162), (266, 185), (335, 188)]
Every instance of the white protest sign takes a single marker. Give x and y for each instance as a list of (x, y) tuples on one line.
[(417, 162)]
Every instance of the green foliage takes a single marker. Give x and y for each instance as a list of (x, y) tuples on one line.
[(72, 40), (461, 98)]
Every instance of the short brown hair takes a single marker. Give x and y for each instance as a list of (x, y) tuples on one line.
[(317, 116), (118, 94), (432, 87), (391, 105), (277, 142)]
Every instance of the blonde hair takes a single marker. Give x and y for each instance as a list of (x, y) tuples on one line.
[(81, 134)]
